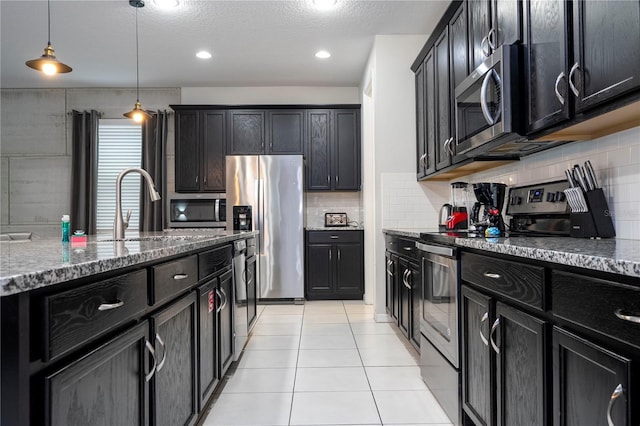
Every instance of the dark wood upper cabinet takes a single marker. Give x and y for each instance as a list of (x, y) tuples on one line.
[(443, 101), (458, 47), (606, 51), (333, 150), (545, 63), (421, 148), (507, 22), (285, 132), (200, 151), (430, 111), (479, 13), (246, 132)]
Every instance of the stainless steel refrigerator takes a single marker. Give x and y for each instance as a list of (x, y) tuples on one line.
[(273, 186)]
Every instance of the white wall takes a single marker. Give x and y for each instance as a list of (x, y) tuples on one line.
[(270, 95), (389, 152)]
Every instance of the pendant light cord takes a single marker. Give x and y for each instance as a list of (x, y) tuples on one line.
[(137, 61), (49, 21)]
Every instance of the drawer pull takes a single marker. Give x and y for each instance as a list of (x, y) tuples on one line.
[(614, 396), (492, 275), (180, 276), (625, 316), (408, 248), (484, 319), (153, 356), (493, 329), (109, 306), (334, 237), (164, 352)]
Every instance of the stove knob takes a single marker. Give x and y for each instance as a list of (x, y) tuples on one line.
[(560, 197), (518, 200), (551, 197)]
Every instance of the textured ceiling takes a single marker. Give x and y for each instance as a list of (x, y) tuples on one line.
[(254, 43)]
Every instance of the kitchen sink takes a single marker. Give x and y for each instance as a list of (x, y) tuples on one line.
[(16, 237)]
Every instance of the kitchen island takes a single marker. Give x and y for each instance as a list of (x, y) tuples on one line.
[(115, 332)]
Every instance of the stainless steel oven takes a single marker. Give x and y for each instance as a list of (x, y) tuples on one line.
[(197, 212), (439, 345)]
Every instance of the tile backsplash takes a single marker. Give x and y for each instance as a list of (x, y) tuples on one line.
[(319, 203)]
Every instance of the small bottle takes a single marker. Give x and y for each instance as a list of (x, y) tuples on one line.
[(66, 226)]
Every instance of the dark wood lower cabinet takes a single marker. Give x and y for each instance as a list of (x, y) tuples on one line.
[(208, 372), (252, 291), (174, 392), (106, 387), (590, 383), (225, 330), (392, 285)]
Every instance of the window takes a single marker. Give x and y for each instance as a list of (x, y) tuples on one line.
[(119, 147)]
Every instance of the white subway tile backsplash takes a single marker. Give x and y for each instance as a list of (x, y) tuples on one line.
[(4, 191), (319, 203)]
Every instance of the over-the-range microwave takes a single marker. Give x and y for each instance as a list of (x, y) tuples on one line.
[(197, 211), (490, 109)]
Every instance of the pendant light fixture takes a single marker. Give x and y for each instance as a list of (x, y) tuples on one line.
[(48, 63), (137, 113)]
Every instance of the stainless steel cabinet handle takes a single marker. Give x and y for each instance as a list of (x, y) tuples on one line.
[(334, 237), (328, 179), (492, 275), (226, 299), (219, 309), (109, 306), (484, 46), (180, 276), (558, 95), (389, 265), (338, 254), (164, 352), (484, 319), (626, 316), (405, 279), (196, 178), (329, 255), (337, 178), (153, 356), (619, 390), (407, 248), (205, 179), (451, 145), (493, 329), (574, 89), (491, 43)]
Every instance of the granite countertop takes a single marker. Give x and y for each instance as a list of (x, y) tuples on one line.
[(617, 256), (335, 228), (39, 262)]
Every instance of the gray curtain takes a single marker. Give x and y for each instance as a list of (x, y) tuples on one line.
[(154, 143), (84, 170)]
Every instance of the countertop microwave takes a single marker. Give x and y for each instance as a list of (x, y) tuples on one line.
[(196, 211), (490, 109)]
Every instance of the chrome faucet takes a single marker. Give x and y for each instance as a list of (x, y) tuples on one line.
[(120, 224)]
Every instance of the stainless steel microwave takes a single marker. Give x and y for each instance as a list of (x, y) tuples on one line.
[(197, 212), (490, 109)]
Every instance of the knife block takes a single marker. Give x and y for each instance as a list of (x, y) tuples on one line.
[(597, 221)]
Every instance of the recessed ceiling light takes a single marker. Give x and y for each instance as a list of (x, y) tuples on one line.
[(324, 4), (323, 54), (167, 4), (203, 54)]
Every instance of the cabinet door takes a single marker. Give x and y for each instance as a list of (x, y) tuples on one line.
[(421, 150), (507, 22), (346, 151), (519, 339), (106, 387), (318, 164), (349, 270), (252, 288), (246, 132), (208, 341), (285, 132), (225, 322), (478, 384), (390, 275), (404, 296), (430, 110), (187, 151), (174, 393), (414, 278), (479, 13), (320, 260), (545, 63), (458, 48), (443, 103), (590, 383), (213, 150), (606, 50)]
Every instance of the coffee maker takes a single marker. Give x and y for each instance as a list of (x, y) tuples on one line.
[(455, 216), (487, 211)]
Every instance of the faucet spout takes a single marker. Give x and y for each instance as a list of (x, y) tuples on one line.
[(119, 223)]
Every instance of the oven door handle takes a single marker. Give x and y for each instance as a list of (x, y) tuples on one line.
[(216, 210), (483, 97), (441, 250)]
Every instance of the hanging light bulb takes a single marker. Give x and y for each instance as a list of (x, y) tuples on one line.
[(48, 63), (137, 113)]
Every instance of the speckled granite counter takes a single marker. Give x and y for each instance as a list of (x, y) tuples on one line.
[(40, 262), (334, 228), (615, 256)]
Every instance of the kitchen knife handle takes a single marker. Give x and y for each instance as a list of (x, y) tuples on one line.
[(589, 168), (572, 183)]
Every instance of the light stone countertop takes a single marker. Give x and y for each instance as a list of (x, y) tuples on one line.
[(40, 262), (617, 256), (335, 228)]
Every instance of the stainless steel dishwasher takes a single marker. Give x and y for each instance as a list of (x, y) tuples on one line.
[(240, 325)]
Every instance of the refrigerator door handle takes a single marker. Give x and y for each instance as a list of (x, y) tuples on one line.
[(260, 215)]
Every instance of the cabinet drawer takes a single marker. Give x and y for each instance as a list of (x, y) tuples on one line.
[(171, 278), (606, 307), (334, 237), (75, 317), (213, 261), (405, 247), (515, 280)]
